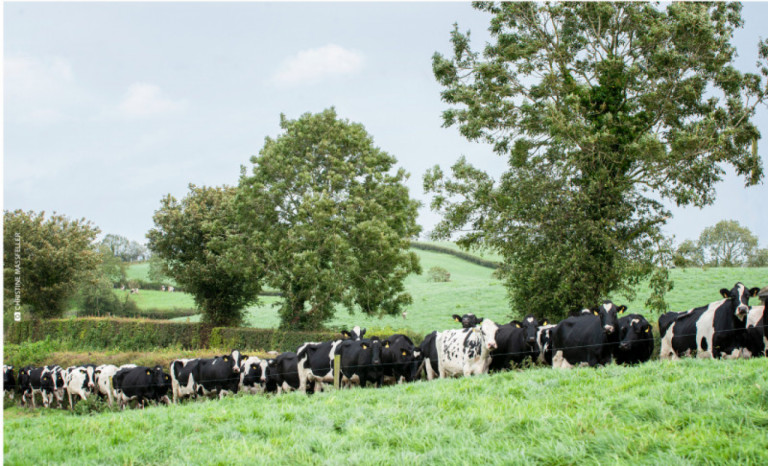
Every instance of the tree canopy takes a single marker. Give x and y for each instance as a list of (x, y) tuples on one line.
[(50, 257), (602, 111), (199, 243), (328, 215)]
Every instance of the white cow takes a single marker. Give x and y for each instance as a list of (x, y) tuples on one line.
[(79, 381), (466, 351), (187, 389)]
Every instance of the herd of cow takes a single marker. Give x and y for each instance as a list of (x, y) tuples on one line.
[(728, 328)]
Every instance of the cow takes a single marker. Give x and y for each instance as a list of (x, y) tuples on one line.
[(139, 383), (544, 343), (282, 374), (712, 331), (516, 342), (587, 339), (79, 381), (360, 362), (428, 356), (218, 375), (182, 378), (468, 320), (30, 379), (398, 354), (252, 375), (102, 377), (466, 351), (757, 333), (53, 385), (9, 381), (315, 360), (635, 340)]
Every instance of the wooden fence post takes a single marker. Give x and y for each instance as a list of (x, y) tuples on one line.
[(337, 371)]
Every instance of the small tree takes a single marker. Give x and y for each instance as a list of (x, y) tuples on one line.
[(199, 243), (331, 219), (759, 258), (49, 257), (438, 274), (689, 254), (727, 244)]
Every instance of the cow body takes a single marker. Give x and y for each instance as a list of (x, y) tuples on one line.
[(282, 373), (635, 340), (757, 332), (79, 381), (139, 383), (515, 342), (220, 375), (586, 338), (466, 351), (544, 343), (712, 331), (360, 362), (9, 381), (102, 378), (53, 385), (428, 355), (397, 359), (316, 363), (182, 379)]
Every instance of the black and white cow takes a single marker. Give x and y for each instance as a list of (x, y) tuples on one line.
[(429, 357), (398, 354), (516, 342), (587, 338), (102, 376), (182, 378), (282, 373), (316, 360), (468, 320), (715, 330), (79, 381), (360, 362), (9, 381), (253, 375), (757, 333), (30, 379), (139, 383), (544, 343), (218, 375), (466, 351), (635, 340), (53, 385)]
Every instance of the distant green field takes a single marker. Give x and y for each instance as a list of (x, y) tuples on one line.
[(137, 271), (679, 412)]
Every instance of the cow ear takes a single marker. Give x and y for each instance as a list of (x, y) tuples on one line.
[(754, 292), (544, 322), (226, 358), (364, 346), (457, 318), (622, 309), (345, 334), (149, 372), (480, 320), (595, 312), (724, 292)]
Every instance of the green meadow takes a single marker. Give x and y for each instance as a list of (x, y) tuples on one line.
[(680, 412)]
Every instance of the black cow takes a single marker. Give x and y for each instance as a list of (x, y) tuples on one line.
[(218, 375), (30, 383), (468, 320), (588, 338), (316, 360), (282, 373), (635, 340), (397, 359), (360, 362), (429, 357), (715, 330), (757, 332), (9, 381), (516, 342), (141, 384)]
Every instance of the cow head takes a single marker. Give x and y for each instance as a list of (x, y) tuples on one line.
[(356, 334), (634, 331), (530, 326), (488, 328), (468, 320), (250, 372), (90, 377), (234, 360), (609, 316), (739, 297)]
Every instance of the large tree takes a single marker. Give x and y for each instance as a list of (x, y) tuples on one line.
[(331, 218), (199, 244), (602, 111), (727, 244), (45, 259)]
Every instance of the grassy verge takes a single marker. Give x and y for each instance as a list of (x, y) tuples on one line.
[(682, 412)]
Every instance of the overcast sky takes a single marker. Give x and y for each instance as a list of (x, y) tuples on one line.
[(110, 106)]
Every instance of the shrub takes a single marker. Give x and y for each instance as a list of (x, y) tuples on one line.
[(438, 274)]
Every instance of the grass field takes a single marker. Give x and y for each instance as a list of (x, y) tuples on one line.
[(683, 412)]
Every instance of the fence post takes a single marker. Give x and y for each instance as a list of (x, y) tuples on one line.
[(337, 371)]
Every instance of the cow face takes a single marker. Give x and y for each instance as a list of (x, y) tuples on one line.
[(609, 316), (251, 372), (637, 330), (356, 334), (468, 320), (739, 297), (488, 328), (234, 360), (530, 328)]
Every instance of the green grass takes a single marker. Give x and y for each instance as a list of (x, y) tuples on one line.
[(683, 412), (151, 299), (137, 271)]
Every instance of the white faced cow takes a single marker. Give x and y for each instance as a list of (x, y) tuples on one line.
[(466, 351)]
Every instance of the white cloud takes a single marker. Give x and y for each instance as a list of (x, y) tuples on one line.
[(38, 89), (147, 100), (312, 65)]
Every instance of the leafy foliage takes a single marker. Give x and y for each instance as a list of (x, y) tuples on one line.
[(689, 254), (439, 274), (52, 257), (198, 240), (727, 244), (330, 220), (600, 109)]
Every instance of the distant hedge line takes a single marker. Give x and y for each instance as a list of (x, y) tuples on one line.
[(141, 335), (152, 313), (460, 254), (158, 286)]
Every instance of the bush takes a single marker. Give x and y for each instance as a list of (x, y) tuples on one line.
[(461, 255), (439, 274)]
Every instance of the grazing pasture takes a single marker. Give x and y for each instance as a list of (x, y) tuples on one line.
[(689, 411)]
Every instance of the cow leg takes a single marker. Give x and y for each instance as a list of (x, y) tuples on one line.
[(69, 396)]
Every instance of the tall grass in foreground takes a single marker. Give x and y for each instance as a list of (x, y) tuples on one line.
[(683, 412)]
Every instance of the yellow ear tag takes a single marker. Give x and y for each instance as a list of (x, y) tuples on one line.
[(365, 346), (386, 345), (405, 353), (647, 330), (475, 330), (457, 320), (148, 372), (517, 325), (226, 358), (595, 313)]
